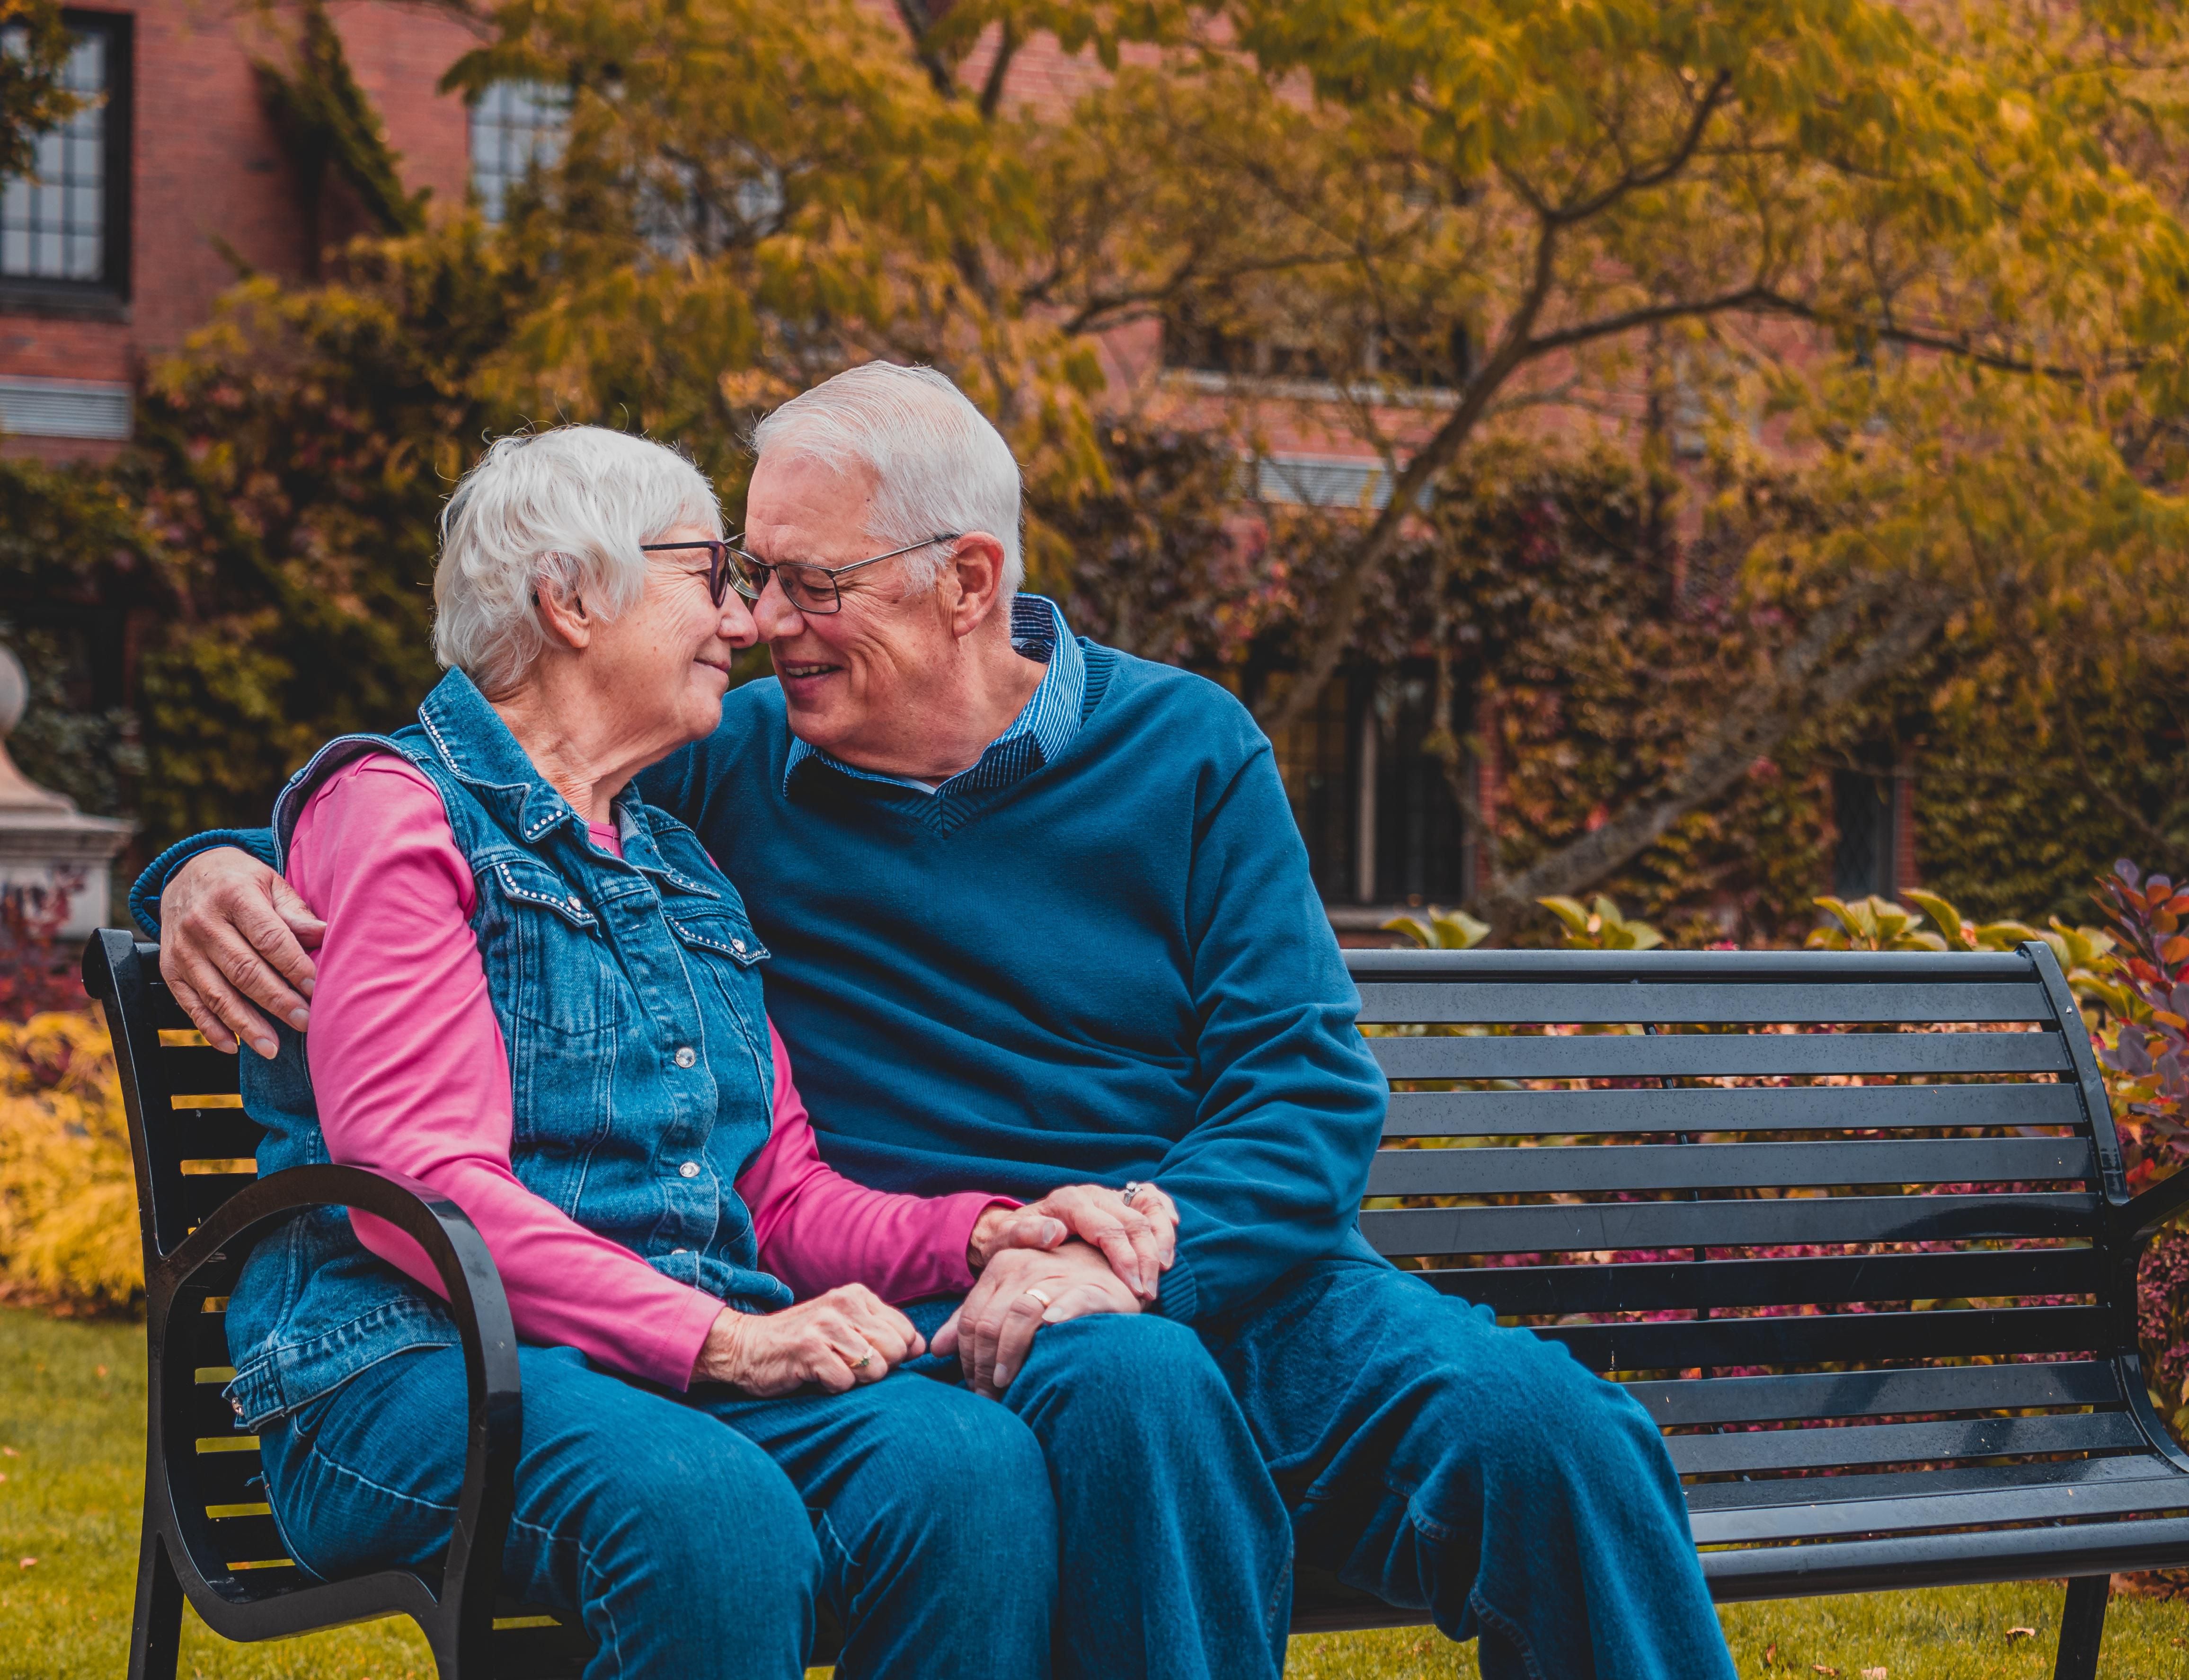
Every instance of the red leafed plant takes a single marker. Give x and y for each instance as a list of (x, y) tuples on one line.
[(2149, 1057)]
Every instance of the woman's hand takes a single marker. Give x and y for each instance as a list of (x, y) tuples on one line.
[(847, 1337), (1138, 1237)]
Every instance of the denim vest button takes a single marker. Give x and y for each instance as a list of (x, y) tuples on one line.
[(673, 1253), (738, 945), (690, 1169), (686, 1055)]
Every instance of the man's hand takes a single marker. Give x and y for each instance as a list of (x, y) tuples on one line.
[(1022, 1290), (1139, 1237), (231, 930), (847, 1337)]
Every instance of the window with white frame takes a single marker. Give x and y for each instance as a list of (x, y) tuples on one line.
[(516, 127), (64, 228)]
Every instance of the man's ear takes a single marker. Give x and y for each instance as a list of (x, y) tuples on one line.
[(976, 566), (564, 618)]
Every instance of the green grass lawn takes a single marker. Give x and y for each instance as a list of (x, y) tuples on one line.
[(71, 1448)]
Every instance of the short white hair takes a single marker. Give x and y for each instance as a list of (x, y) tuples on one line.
[(561, 512), (938, 464)]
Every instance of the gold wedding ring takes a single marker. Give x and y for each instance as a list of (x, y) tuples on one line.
[(1041, 1298)]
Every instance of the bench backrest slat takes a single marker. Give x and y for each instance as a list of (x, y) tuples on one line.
[(1748, 1056), (1597, 1003), (1711, 1108), (1879, 1394), (1663, 1286), (1727, 1166)]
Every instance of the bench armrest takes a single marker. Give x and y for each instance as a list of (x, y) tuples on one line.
[(2140, 1217), (475, 1300)]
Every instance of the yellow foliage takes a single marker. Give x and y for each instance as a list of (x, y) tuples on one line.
[(68, 1192)]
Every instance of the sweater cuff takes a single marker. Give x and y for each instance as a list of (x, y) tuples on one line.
[(677, 1350), (144, 896), (1179, 1296)]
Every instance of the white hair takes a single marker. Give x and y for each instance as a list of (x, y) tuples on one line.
[(561, 512), (938, 464)]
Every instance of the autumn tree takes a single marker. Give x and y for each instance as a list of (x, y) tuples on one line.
[(1936, 255)]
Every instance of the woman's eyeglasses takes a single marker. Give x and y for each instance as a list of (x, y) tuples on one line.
[(809, 588)]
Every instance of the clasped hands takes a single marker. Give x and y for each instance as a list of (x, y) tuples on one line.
[(1079, 1250)]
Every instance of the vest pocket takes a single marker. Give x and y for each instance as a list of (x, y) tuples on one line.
[(716, 930)]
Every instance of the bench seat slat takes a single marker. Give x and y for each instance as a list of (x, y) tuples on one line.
[(1825, 1338), (1758, 1108), (1566, 1226), (1802, 968), (1741, 1574), (1853, 1485), (1599, 1002), (1493, 1171), (1828, 1448), (1659, 1285), (2148, 1495), (1870, 1393), (1704, 1055)]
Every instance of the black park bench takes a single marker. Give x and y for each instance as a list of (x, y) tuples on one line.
[(1804, 1251)]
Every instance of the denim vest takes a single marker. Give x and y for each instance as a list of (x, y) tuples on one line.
[(638, 1052)]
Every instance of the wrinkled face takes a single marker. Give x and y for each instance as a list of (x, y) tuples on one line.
[(855, 680), (664, 663)]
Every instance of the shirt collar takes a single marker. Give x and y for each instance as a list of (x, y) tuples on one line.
[(1037, 737)]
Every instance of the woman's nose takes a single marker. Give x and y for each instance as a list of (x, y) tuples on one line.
[(737, 626)]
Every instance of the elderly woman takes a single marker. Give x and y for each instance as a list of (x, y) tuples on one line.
[(538, 995)]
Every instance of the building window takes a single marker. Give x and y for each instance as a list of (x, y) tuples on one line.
[(1205, 342), (517, 127), (64, 229)]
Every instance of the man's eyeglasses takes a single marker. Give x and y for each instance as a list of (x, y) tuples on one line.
[(809, 588)]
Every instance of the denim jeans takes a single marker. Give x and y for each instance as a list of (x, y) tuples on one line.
[(695, 1535), (1396, 1437)]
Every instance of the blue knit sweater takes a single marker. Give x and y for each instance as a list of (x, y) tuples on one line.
[(1114, 969)]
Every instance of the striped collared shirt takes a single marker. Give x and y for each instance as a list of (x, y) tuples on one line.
[(1042, 730)]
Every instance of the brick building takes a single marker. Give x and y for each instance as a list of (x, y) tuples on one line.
[(149, 202)]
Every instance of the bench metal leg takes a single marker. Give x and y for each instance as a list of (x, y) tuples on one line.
[(156, 1635), (2082, 1626)]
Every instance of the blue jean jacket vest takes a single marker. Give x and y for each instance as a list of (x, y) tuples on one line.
[(639, 1050)]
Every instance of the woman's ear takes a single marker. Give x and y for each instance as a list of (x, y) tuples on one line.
[(564, 616)]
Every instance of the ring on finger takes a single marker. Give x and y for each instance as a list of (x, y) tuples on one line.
[(1039, 1297), (1133, 1189), (862, 1362)]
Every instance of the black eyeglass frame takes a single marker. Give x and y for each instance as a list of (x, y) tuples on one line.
[(722, 574)]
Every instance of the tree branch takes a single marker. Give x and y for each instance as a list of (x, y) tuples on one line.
[(918, 21), (1664, 170), (1750, 726), (1432, 458), (992, 90)]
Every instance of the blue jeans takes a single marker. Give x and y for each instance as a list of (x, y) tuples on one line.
[(695, 1535), (1394, 1436)]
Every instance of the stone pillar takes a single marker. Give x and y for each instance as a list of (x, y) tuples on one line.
[(48, 847)]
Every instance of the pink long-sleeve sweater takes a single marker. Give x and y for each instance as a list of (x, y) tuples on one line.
[(412, 1076)]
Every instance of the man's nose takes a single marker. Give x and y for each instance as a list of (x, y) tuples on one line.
[(773, 614)]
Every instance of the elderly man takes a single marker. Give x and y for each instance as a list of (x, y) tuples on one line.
[(1039, 913)]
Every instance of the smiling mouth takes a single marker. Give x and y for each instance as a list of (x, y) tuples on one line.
[(802, 671)]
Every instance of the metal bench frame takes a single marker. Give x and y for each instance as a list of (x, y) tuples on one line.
[(2009, 1470)]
